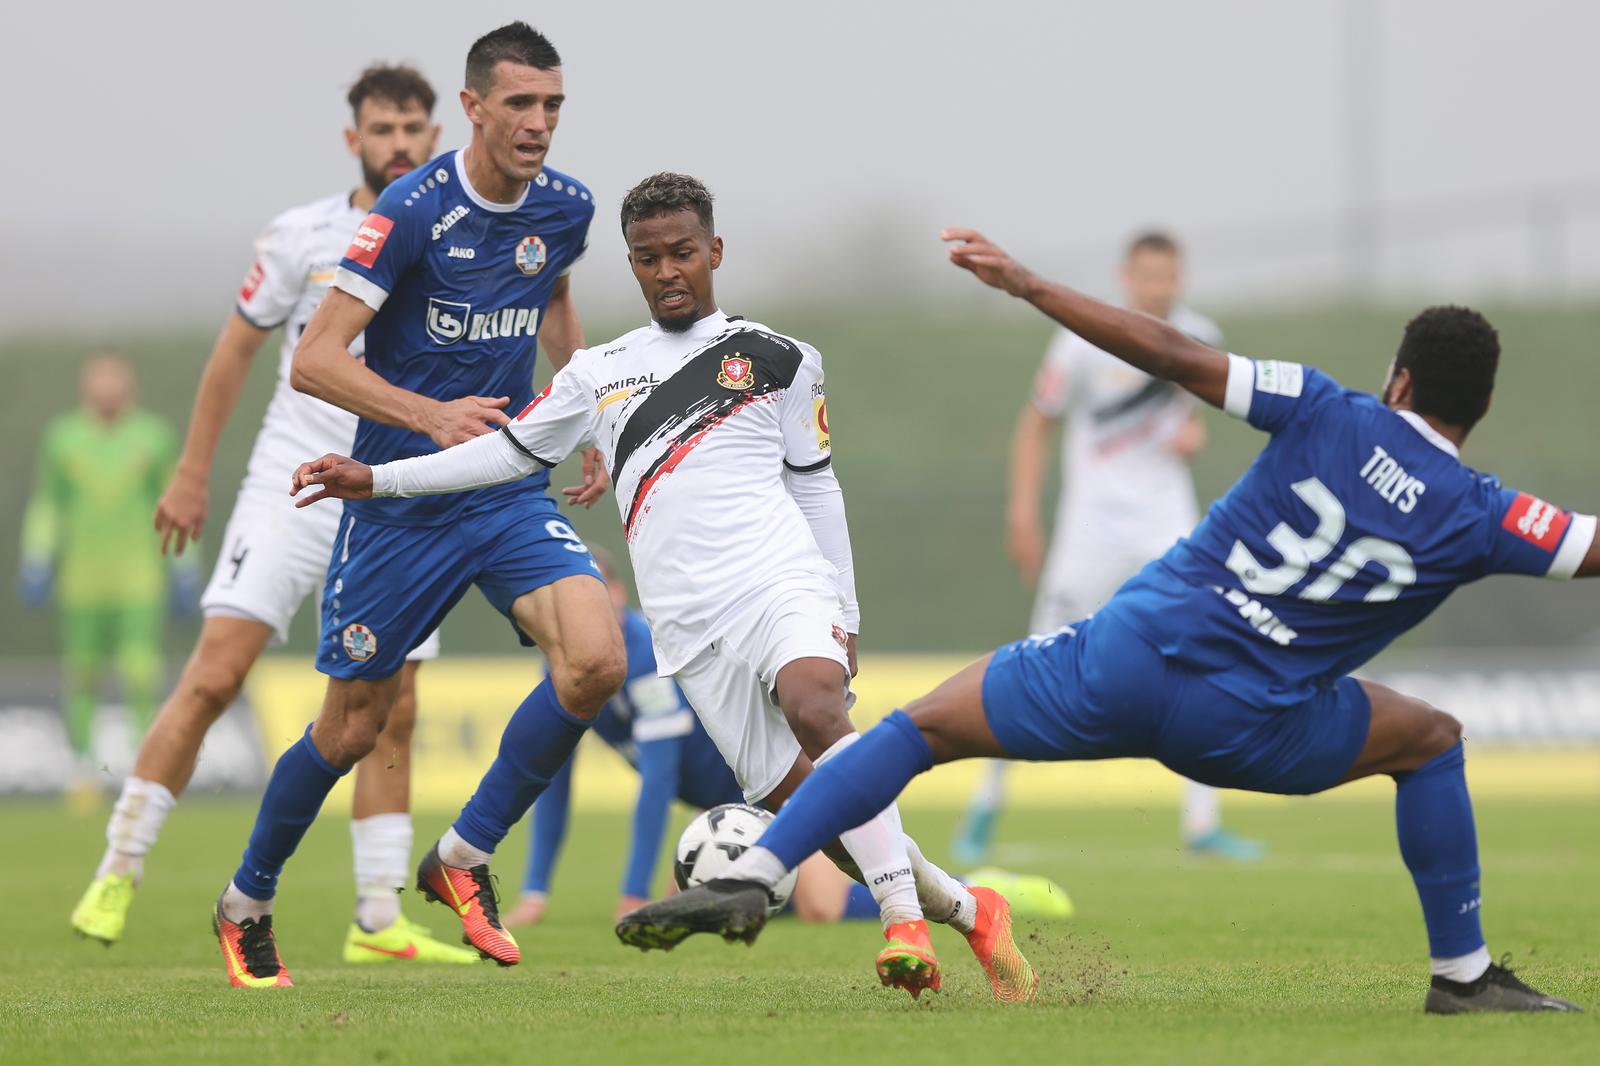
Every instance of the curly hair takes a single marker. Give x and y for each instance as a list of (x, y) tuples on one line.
[(1452, 354), (399, 85), (664, 194)]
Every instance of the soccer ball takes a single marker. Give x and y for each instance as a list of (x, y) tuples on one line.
[(717, 837)]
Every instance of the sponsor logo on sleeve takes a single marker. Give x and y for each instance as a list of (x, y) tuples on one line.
[(252, 283), (360, 643), (531, 255), (1540, 524), (819, 421), (1279, 379), (737, 372), (537, 400), (369, 240)]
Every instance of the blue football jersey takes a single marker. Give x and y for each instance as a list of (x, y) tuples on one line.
[(458, 285), (1353, 524)]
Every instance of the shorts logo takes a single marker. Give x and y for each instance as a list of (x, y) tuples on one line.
[(447, 320), (252, 282), (359, 642), (368, 241), (531, 255), (842, 637), (737, 372), (1540, 524)]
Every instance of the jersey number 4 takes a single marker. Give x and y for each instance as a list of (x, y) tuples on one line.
[(1300, 554)]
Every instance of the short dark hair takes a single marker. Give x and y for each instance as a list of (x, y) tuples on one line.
[(399, 84), (1452, 354), (1154, 240), (663, 194), (517, 42)]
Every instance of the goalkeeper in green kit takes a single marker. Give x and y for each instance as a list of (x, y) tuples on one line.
[(88, 544)]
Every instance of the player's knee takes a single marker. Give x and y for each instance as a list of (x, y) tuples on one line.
[(587, 678), (818, 721), (212, 686), (348, 742), (1443, 733), (402, 722)]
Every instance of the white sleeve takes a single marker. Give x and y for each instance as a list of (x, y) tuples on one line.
[(807, 444), (1051, 383), (821, 500), (491, 459), (274, 283), (561, 418)]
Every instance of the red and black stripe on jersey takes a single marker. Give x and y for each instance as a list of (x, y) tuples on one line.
[(691, 403)]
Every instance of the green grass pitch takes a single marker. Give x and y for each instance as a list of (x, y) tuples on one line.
[(1315, 955)]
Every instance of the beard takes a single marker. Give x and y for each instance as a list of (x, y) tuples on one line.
[(679, 323), (378, 179)]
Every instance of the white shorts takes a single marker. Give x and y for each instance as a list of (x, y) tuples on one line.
[(731, 683), (1077, 582), (273, 556)]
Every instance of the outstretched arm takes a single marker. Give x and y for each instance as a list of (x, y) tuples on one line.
[(1590, 567), (1141, 341)]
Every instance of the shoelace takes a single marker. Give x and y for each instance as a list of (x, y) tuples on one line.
[(257, 946), (488, 893)]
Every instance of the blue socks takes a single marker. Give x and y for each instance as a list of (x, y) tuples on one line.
[(1439, 843), (299, 783), (537, 743), (849, 789)]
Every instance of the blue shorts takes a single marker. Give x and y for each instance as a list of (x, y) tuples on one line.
[(1098, 690), (388, 587)]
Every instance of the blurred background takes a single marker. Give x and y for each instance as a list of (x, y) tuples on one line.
[(1330, 166)]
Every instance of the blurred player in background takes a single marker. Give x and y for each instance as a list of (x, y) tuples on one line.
[(716, 432), (1126, 497), (87, 543), (273, 556), (452, 275), (650, 724), (1228, 659)]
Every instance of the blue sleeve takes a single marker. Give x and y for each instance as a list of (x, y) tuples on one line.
[(549, 827), (386, 244), (658, 786), (1531, 537), (1273, 395)]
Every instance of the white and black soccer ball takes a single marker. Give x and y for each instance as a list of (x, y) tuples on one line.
[(717, 837)]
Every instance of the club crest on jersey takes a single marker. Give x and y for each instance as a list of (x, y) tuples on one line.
[(360, 643), (531, 255), (737, 372)]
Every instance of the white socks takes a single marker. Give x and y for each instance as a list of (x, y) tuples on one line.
[(1463, 968), (879, 850), (382, 850), (135, 823), (453, 851), (236, 906), (943, 898), (1202, 810)]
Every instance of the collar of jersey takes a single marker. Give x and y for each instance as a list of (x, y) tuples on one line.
[(473, 195), (705, 326), (1433, 436)]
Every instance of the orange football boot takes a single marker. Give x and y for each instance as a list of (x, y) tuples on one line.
[(908, 961), (1012, 979), (250, 951), (471, 894)]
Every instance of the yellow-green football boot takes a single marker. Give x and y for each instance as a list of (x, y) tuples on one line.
[(1030, 895), (103, 910), (404, 941)]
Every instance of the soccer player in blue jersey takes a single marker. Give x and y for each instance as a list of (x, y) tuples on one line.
[(650, 723), (1228, 658), (456, 270)]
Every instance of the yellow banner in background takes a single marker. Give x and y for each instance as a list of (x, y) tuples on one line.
[(464, 702)]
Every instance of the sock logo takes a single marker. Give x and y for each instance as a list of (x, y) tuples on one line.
[(1471, 905), (889, 877)]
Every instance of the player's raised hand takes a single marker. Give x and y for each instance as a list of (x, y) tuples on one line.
[(451, 422), (181, 511), (338, 476), (595, 483), (973, 251)]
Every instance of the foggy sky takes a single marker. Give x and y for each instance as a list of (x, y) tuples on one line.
[(147, 144)]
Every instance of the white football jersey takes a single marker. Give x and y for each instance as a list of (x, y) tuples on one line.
[(697, 429), (295, 259), (1124, 488)]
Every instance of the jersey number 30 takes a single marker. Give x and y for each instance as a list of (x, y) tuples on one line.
[(1300, 554)]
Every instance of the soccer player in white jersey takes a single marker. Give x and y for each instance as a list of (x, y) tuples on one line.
[(1126, 497), (715, 432), (272, 555)]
